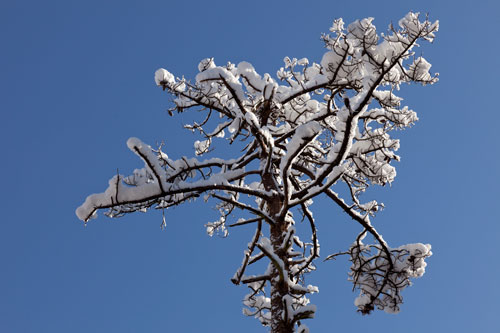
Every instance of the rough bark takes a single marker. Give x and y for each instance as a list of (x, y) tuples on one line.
[(279, 287)]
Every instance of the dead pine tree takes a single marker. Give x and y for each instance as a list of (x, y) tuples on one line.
[(313, 129)]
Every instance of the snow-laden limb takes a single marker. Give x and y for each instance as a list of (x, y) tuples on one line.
[(380, 283), (315, 127), (164, 183)]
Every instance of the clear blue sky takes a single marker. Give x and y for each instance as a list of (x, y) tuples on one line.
[(76, 81)]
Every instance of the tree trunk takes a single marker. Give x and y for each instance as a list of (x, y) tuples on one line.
[(279, 288)]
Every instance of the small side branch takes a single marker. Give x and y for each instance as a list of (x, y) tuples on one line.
[(274, 260), (245, 207), (239, 273)]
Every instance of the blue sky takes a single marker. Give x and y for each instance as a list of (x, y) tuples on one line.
[(77, 81)]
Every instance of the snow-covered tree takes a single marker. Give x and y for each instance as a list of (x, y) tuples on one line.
[(315, 128)]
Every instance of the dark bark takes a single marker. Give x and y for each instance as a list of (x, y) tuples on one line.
[(279, 287)]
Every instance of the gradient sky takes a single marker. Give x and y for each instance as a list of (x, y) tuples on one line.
[(77, 81)]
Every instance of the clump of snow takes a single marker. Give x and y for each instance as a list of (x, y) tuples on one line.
[(164, 77), (205, 64), (201, 147)]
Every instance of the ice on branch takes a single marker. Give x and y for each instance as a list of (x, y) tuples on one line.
[(316, 128)]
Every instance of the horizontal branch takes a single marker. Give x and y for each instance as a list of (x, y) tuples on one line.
[(246, 280), (107, 199)]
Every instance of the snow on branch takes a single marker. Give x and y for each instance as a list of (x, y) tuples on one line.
[(381, 279), (163, 186)]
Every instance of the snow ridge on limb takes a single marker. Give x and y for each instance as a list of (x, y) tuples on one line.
[(314, 127)]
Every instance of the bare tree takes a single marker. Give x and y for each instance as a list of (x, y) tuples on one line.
[(318, 127)]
